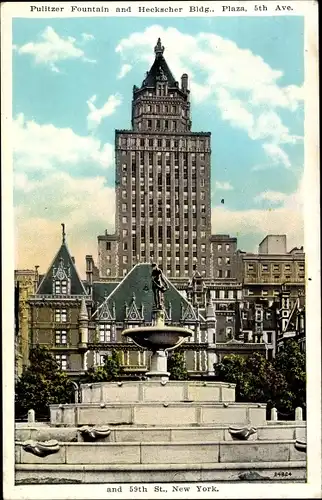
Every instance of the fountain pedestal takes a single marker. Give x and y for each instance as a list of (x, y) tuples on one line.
[(158, 369)]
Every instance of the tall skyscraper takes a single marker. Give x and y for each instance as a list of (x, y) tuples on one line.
[(163, 210)]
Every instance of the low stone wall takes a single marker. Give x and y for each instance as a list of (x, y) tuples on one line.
[(170, 434), (158, 414), (155, 391), (192, 452), (162, 473)]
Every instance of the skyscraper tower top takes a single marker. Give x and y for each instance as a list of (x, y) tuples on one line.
[(161, 74)]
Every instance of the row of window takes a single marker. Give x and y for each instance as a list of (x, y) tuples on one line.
[(221, 247), (274, 267), (224, 274), (222, 261), (167, 181), (186, 208), (177, 272), (153, 143), (225, 294), (157, 124), (190, 144), (159, 108), (264, 293)]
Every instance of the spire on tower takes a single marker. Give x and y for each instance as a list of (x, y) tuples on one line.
[(63, 233), (158, 49), (83, 314)]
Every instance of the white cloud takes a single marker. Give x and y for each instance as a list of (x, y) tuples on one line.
[(124, 70), (239, 83), (86, 206), (96, 115), (49, 189), (87, 37), (224, 186), (53, 48), (276, 154), (285, 219), (43, 147), (271, 196)]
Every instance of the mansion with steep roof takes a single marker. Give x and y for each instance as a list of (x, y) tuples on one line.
[(234, 302)]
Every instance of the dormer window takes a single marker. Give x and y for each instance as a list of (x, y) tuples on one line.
[(61, 279)]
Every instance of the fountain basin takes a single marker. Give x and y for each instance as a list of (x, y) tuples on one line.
[(158, 337)]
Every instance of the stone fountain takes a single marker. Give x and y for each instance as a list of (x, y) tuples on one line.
[(160, 430), (159, 338)]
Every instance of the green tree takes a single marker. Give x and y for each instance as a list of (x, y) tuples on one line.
[(41, 384), (111, 370), (177, 366), (280, 383), (291, 361)]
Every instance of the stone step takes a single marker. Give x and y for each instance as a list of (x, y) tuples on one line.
[(294, 471), (159, 414), (169, 434), (184, 452), (156, 391)]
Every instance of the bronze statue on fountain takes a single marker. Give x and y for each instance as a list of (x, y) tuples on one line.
[(159, 287)]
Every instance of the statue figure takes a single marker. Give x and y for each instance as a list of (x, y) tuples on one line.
[(159, 286)]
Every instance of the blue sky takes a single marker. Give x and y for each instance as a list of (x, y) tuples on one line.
[(72, 87)]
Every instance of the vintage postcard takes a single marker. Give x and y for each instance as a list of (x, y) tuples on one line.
[(161, 243)]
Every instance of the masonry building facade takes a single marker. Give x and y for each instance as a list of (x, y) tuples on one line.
[(162, 182)]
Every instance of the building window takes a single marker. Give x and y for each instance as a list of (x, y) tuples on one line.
[(124, 219), (219, 248), (124, 207), (227, 273), (124, 272), (105, 332), (60, 287), (125, 232), (228, 260), (124, 167), (219, 260), (125, 259), (60, 337), (125, 245), (250, 267), (265, 268), (219, 273), (108, 272), (108, 259), (227, 247), (108, 245), (60, 315), (264, 293), (61, 360), (269, 337)]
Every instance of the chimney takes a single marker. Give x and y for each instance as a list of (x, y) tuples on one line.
[(184, 82), (89, 269)]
